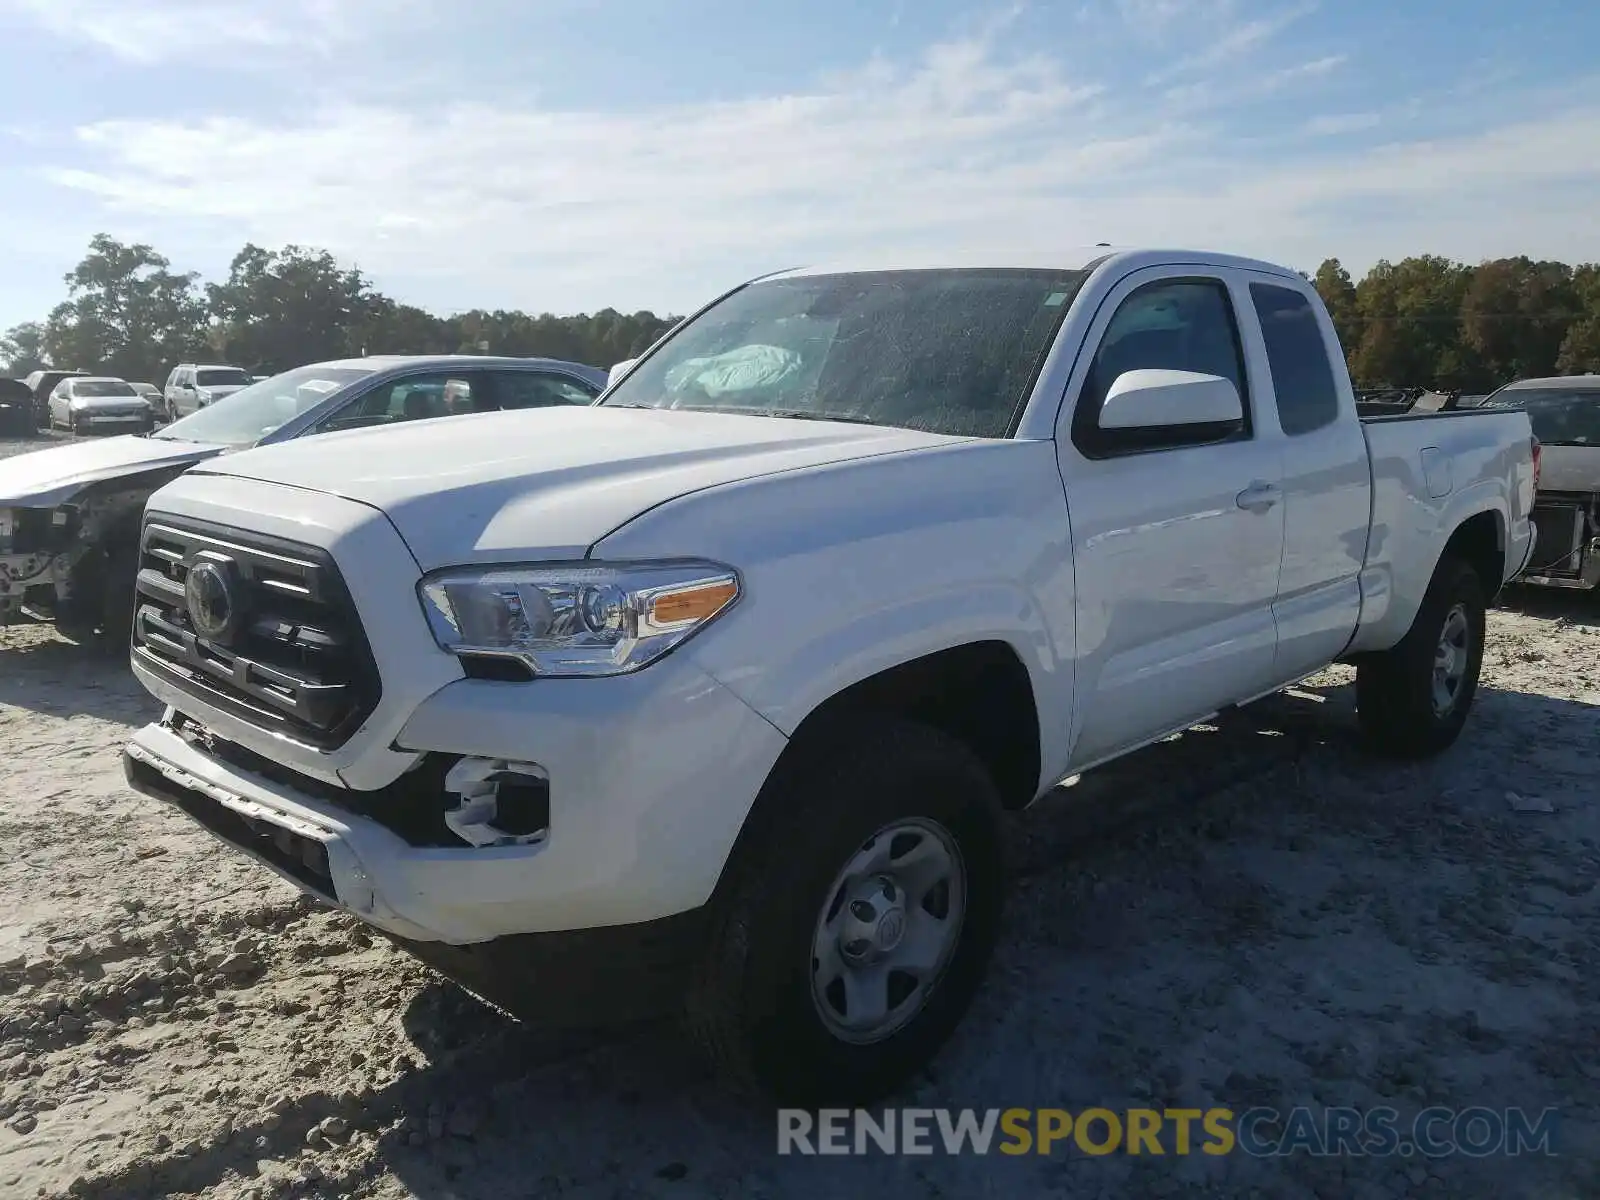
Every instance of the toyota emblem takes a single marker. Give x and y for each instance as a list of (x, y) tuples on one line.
[(208, 595)]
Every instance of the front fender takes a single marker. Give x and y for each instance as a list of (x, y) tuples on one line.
[(852, 568)]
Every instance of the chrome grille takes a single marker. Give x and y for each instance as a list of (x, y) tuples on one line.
[(290, 657)]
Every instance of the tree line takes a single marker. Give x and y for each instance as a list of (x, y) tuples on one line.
[(1429, 322), (1424, 321), (129, 313)]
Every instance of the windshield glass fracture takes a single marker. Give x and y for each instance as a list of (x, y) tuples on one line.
[(248, 415), (949, 351)]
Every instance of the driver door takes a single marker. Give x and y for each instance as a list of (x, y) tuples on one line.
[(1176, 535)]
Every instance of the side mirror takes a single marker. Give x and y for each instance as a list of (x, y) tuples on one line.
[(1152, 399), (618, 371)]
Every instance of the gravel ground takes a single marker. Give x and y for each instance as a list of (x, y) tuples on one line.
[(1252, 914)]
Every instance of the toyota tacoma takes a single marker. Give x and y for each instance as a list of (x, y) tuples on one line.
[(712, 697)]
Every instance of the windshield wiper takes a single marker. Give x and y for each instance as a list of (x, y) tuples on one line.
[(795, 414)]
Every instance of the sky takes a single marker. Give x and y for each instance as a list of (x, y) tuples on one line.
[(568, 155)]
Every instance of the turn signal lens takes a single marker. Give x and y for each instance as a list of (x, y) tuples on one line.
[(697, 603)]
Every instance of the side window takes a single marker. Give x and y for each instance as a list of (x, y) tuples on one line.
[(535, 389), (1170, 325), (1302, 376), (411, 398)]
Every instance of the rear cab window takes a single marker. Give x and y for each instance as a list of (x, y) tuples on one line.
[(1302, 375)]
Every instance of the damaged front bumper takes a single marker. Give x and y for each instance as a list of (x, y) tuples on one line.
[(53, 559), (423, 893), (446, 905), (30, 562)]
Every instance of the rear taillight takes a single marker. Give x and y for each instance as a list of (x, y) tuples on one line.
[(1538, 460)]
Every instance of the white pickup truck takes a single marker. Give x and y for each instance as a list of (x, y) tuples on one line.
[(711, 697)]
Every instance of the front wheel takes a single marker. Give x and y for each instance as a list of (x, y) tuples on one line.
[(1413, 700), (859, 918)]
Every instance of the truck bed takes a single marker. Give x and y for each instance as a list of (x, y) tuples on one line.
[(1384, 413), (1442, 465)]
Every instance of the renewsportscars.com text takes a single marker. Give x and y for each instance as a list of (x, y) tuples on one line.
[(1260, 1132)]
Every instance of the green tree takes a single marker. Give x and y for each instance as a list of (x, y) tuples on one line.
[(1338, 293), (1515, 316), (283, 308), (1580, 348), (1411, 325), (22, 349), (391, 328), (127, 313)]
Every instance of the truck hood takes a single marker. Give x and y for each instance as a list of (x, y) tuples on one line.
[(45, 478), (499, 487)]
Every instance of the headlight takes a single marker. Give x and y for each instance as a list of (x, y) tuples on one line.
[(582, 619)]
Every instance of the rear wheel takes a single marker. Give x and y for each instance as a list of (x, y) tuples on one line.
[(859, 917), (1413, 700)]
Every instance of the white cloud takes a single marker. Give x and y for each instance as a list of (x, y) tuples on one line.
[(544, 207), (151, 31), (1336, 123), (1234, 41)]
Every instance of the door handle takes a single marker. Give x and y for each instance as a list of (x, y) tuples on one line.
[(1259, 497)]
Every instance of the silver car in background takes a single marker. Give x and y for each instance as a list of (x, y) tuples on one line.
[(192, 386), (1565, 414), (99, 404)]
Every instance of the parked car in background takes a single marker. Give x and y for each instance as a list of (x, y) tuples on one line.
[(192, 386), (16, 409), (69, 515), (99, 404), (153, 394), (1565, 414), (41, 384), (708, 697)]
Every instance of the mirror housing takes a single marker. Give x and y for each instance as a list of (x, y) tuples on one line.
[(1157, 399), (618, 371)]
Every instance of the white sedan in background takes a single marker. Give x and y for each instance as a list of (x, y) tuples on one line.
[(86, 403)]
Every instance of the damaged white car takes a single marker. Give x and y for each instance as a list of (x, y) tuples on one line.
[(69, 515)]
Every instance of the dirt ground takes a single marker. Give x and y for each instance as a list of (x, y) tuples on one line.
[(1257, 914)]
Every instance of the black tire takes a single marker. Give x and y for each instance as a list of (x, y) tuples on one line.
[(1395, 693), (751, 1007)]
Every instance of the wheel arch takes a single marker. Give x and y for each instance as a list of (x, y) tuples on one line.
[(980, 693)]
